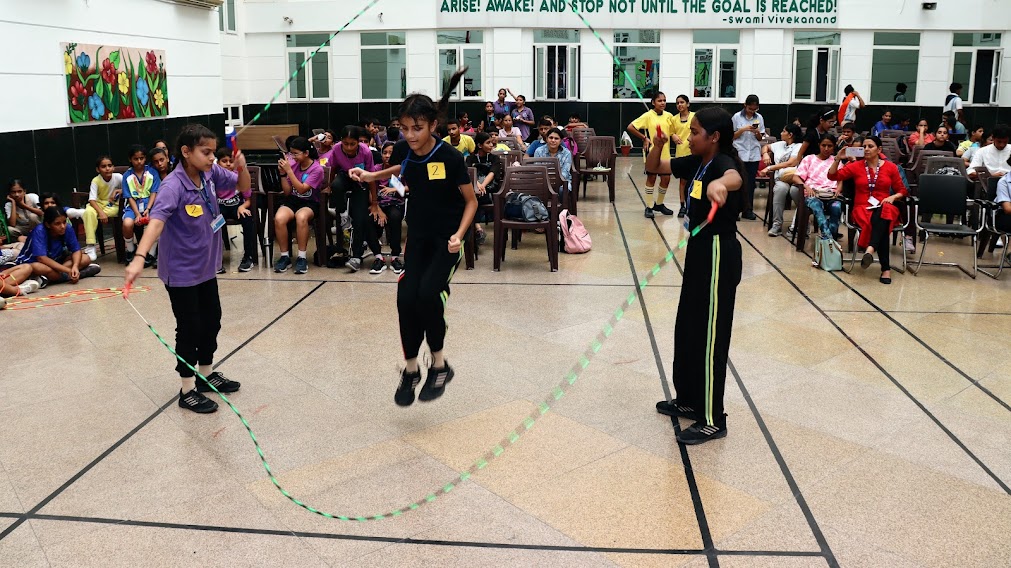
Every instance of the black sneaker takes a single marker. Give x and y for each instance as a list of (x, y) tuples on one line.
[(282, 264), (649, 213), (246, 265), (436, 382), (378, 266), (197, 402), (397, 266), (301, 265), (90, 270), (405, 392), (221, 269), (672, 408), (701, 432), (219, 381), (43, 282), (661, 208), (683, 211), (749, 215), (148, 261)]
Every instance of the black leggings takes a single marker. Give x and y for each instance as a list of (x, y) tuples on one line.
[(362, 227), (248, 224), (422, 293), (704, 321), (198, 319), (881, 230), (394, 226)]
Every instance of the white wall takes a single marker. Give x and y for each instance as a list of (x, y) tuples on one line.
[(34, 85)]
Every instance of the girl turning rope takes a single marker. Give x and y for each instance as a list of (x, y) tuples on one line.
[(440, 212), (711, 275)]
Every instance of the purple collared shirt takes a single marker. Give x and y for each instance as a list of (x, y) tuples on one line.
[(189, 251)]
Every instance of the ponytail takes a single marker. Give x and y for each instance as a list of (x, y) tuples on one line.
[(418, 106)]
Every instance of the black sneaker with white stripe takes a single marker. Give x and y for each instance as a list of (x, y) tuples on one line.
[(196, 402), (219, 381), (701, 432), (435, 385), (673, 408), (405, 392)]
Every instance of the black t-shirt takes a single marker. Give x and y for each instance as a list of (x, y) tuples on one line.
[(689, 167), (813, 139), (435, 204), (948, 146), (483, 164)]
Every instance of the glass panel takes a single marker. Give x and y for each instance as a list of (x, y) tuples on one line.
[(459, 36), (995, 87), (384, 38), (231, 15), (307, 40), (573, 72), (716, 36), (896, 38), (803, 73), (983, 81), (890, 67), (447, 66), (728, 73), (552, 74), (642, 65), (833, 86), (384, 73), (472, 82), (321, 75), (703, 83), (816, 38), (556, 36), (221, 18), (962, 72), (636, 36), (562, 75), (296, 89), (983, 39), (539, 73)]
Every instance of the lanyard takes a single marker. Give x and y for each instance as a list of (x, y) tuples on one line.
[(699, 174), (872, 182), (206, 196)]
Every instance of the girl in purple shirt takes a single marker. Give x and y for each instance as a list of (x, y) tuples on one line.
[(188, 220), (301, 183), (360, 198)]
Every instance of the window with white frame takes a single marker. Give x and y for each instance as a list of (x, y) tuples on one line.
[(895, 59), (715, 69), (636, 63), (311, 80), (975, 64), (461, 48), (815, 66), (384, 66), (233, 115), (556, 64), (226, 17)]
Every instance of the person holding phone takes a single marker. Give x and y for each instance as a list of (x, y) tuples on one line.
[(749, 129)]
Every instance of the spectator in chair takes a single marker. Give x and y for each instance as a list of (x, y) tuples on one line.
[(103, 202), (457, 139), (922, 136), (954, 126), (821, 193), (783, 157), (941, 141), (1003, 200), (995, 156), (884, 124), (554, 148), (543, 127), (301, 184), (350, 154)]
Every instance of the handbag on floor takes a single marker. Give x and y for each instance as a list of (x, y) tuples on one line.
[(827, 255)]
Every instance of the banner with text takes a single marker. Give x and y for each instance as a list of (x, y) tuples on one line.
[(687, 14)]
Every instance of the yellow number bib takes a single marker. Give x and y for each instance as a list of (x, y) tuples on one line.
[(436, 170), (697, 189), (194, 210)]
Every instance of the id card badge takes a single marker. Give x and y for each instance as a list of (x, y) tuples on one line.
[(696, 189), (396, 184), (217, 223)]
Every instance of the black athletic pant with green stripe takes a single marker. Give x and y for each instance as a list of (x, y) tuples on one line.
[(422, 292), (704, 322)]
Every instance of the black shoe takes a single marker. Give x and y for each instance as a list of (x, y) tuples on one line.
[(649, 213), (197, 402), (672, 408), (397, 266), (282, 264), (221, 269), (219, 381), (749, 215), (661, 208), (148, 261), (436, 382), (90, 270), (378, 266), (884, 280), (701, 432), (301, 265), (683, 211), (246, 265), (43, 282), (866, 260), (405, 392)]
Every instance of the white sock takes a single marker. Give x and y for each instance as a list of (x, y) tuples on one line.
[(301, 254), (205, 370), (284, 254), (649, 195), (189, 384), (130, 246)]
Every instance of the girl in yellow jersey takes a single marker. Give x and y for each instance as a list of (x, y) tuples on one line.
[(682, 130), (650, 121)]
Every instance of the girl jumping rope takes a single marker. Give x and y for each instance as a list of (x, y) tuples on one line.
[(441, 209), (711, 275), (187, 217)]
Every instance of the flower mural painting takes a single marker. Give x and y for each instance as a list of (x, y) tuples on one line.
[(124, 83)]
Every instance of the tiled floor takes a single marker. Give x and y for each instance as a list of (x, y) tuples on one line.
[(869, 424)]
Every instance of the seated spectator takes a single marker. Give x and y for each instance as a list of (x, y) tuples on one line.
[(53, 253), (575, 122), (392, 204), (523, 117), (370, 126), (973, 139), (510, 131), (498, 145), (236, 207), (52, 200), (499, 121), (484, 162), (15, 280), (466, 126), (877, 186), (301, 184), (884, 124), (941, 141), (488, 124), (543, 127), (168, 152), (821, 193), (954, 126), (326, 147), (1003, 200), (995, 156), (554, 149), (158, 162), (902, 123), (848, 131), (462, 142), (392, 134), (973, 148), (103, 202), (363, 200), (817, 127), (922, 136), (782, 158), (22, 209), (140, 188)]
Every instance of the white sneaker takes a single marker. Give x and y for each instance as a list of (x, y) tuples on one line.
[(908, 242), (3, 303), (29, 287), (91, 252)]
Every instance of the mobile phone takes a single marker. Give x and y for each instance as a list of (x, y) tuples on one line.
[(854, 152)]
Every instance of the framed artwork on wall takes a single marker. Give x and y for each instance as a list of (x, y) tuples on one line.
[(114, 83)]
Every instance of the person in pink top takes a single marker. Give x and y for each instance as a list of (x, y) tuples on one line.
[(820, 193)]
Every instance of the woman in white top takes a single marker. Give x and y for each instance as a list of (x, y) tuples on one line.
[(509, 131), (781, 156)]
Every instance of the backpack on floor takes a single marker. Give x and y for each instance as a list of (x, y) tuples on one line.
[(574, 237), (523, 207)]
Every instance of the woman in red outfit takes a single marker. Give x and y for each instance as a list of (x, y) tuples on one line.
[(878, 187)]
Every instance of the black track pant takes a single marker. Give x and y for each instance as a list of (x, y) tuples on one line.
[(394, 226), (704, 322), (881, 230), (422, 292), (248, 224), (198, 320), (363, 229)]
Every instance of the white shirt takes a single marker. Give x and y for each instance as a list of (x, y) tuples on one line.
[(851, 110), (783, 153), (954, 105), (749, 147), (992, 159), (31, 199)]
